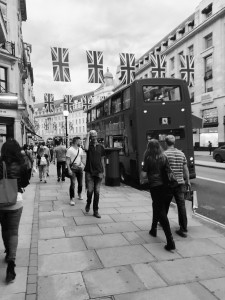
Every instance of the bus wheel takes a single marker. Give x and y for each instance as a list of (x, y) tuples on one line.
[(123, 176), (218, 158)]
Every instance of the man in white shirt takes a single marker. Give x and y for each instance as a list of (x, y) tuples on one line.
[(75, 161)]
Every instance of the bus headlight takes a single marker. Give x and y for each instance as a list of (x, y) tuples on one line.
[(191, 158), (182, 109)]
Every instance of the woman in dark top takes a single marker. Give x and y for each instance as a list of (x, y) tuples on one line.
[(10, 215), (154, 166)]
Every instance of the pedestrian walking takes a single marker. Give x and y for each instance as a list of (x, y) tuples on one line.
[(94, 170), (28, 158), (35, 148), (12, 159), (75, 162), (210, 147), (49, 158), (178, 164), (42, 161), (59, 156), (153, 167)]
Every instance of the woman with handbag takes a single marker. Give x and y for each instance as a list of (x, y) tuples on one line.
[(42, 162), (153, 168), (13, 178)]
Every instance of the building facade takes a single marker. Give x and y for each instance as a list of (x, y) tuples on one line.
[(16, 74), (202, 37), (50, 124)]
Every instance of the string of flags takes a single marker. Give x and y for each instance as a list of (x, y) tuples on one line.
[(158, 64)]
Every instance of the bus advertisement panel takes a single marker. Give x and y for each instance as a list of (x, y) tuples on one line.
[(145, 109)]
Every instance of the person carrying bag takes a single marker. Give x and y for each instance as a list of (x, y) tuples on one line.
[(13, 180)]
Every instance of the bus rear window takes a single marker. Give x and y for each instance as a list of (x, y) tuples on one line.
[(157, 93), (161, 134)]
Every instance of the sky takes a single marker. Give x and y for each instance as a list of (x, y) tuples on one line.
[(110, 26)]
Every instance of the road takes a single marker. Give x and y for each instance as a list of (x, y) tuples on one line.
[(210, 187)]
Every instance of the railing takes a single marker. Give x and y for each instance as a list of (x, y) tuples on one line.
[(2, 89), (8, 47)]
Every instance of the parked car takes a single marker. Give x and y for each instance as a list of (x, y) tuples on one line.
[(219, 154)]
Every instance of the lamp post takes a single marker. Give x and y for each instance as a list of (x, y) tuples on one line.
[(66, 114)]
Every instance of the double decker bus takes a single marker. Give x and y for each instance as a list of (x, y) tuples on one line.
[(145, 109)]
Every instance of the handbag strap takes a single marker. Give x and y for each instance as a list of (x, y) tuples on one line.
[(75, 157), (4, 170)]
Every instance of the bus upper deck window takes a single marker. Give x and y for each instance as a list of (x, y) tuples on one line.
[(161, 93)]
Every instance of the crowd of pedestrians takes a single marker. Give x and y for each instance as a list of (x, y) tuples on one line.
[(19, 164)]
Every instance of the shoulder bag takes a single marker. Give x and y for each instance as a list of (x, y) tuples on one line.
[(8, 189), (66, 169)]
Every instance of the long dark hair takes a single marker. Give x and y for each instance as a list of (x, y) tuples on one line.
[(153, 155), (11, 152)]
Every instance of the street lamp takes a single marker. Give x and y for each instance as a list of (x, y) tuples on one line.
[(66, 114)]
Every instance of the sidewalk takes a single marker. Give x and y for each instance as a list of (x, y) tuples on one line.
[(80, 257)]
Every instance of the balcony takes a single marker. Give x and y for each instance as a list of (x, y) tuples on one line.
[(3, 31)]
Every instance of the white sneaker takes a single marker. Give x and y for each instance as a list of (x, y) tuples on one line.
[(80, 197), (72, 203)]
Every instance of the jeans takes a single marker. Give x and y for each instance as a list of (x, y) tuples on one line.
[(93, 184), (9, 220), (178, 194), (61, 166), (79, 176), (42, 172), (160, 202)]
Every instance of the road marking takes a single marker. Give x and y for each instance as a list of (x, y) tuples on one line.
[(214, 180)]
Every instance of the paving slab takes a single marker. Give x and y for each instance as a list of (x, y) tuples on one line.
[(82, 230), (159, 253), (89, 219), (219, 241), (19, 285), (50, 214), (130, 217), (216, 286), (61, 245), (148, 276), (105, 241), (20, 296), (55, 221), (45, 208), (198, 247), (125, 255), (220, 258), (118, 227), (185, 292), (112, 281), (203, 232), (51, 233), (131, 209), (62, 287), (134, 203), (189, 269), (68, 262), (73, 213), (133, 238)]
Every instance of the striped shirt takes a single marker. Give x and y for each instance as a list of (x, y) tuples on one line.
[(177, 160)]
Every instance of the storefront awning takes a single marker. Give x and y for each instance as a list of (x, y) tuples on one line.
[(196, 122), (33, 133)]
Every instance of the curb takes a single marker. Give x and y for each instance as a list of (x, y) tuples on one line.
[(208, 166)]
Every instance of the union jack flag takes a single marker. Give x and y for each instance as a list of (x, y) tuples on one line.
[(60, 61), (68, 103), (158, 65), (127, 68), (49, 102), (95, 66), (187, 69), (87, 101)]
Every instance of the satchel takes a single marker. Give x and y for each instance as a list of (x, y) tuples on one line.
[(8, 189), (169, 178)]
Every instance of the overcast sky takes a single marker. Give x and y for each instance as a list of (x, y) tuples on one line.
[(111, 26)]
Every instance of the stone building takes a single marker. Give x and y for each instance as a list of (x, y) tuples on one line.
[(16, 74), (202, 36)]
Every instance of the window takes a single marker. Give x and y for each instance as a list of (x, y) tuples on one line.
[(3, 79), (126, 98), (191, 50), (161, 93), (99, 111), (207, 11), (93, 114), (116, 104), (208, 74), (107, 108), (208, 41)]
